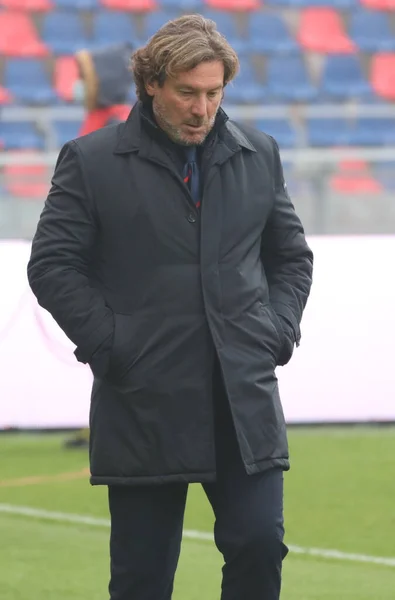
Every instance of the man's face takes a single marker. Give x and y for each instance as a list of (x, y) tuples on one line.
[(186, 105)]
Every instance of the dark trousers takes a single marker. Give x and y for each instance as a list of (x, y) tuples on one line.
[(147, 522)]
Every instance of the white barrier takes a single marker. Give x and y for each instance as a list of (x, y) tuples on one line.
[(343, 371)]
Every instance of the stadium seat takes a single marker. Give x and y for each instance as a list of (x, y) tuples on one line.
[(352, 184), (26, 181), (339, 4), (19, 136), (382, 75), (328, 132), (269, 34), (19, 36), (287, 80), (112, 27), (77, 4), (351, 132), (354, 177), (342, 78), (28, 82), (5, 96), (66, 72), (27, 5), (281, 129), (130, 5), (66, 131), (373, 132), (322, 30), (385, 174), (370, 31), (63, 32), (154, 21), (244, 88), (227, 25), (379, 4), (234, 5), (182, 5)]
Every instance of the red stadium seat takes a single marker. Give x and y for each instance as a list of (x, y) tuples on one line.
[(130, 5), (354, 177), (234, 5), (382, 75), (19, 37), (27, 5), (353, 184), (379, 4), (5, 96), (26, 181), (322, 30), (66, 72)]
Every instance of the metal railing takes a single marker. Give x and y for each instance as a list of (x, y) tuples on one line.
[(318, 185)]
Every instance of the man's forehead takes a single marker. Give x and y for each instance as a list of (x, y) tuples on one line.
[(208, 75)]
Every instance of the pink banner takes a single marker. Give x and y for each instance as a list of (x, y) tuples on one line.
[(343, 371)]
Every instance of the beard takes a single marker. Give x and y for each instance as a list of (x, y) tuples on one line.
[(176, 133)]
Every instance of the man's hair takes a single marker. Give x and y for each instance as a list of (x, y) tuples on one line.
[(181, 45)]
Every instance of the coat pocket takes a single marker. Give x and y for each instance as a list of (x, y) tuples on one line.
[(286, 344), (125, 347), (277, 329)]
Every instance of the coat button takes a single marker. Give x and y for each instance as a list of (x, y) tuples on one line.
[(191, 218)]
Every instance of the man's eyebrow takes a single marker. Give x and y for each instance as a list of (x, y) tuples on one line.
[(192, 88)]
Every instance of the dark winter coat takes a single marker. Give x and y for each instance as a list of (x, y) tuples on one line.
[(150, 290)]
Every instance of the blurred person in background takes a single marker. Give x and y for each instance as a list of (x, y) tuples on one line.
[(103, 87), (171, 255)]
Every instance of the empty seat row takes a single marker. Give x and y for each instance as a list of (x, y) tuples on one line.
[(319, 30), (332, 132), (131, 5), (284, 80), (189, 5)]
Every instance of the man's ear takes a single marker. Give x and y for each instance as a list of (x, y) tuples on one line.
[(150, 87)]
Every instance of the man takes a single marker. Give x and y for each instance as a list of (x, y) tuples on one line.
[(171, 255)]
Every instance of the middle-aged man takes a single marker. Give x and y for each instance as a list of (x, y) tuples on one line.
[(170, 253)]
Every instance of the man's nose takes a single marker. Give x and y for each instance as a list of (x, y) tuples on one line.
[(199, 107)]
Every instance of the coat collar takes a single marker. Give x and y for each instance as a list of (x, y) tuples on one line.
[(131, 134)]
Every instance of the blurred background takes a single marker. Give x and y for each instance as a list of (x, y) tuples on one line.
[(318, 75)]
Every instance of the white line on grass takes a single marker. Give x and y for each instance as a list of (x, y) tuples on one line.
[(191, 534)]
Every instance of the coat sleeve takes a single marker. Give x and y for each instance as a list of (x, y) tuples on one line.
[(61, 255), (288, 262)]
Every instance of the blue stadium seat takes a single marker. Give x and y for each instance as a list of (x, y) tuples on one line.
[(154, 21), (269, 34), (245, 88), (66, 131), (64, 33), (328, 132), (287, 80), (110, 27), (20, 136), (281, 129), (371, 31), (227, 25), (384, 172), (350, 132), (28, 81), (182, 5), (343, 78), (373, 132), (342, 4), (77, 4)]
